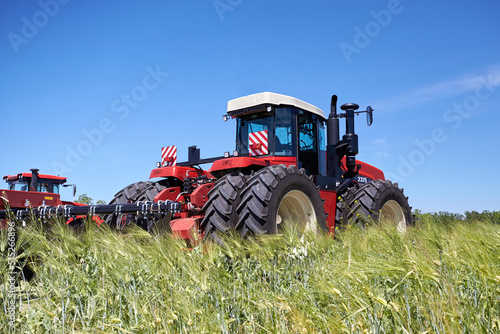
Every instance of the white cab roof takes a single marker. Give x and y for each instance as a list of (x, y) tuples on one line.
[(273, 99)]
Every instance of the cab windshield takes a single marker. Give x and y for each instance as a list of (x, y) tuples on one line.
[(44, 186), (18, 185), (266, 133)]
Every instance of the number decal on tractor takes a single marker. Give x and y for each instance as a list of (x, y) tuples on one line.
[(362, 179)]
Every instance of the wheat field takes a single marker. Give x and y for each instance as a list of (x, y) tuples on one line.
[(436, 278)]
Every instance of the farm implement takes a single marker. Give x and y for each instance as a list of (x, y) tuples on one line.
[(38, 195), (290, 168)]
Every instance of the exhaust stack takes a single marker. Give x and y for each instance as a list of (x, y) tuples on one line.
[(333, 134), (34, 179)]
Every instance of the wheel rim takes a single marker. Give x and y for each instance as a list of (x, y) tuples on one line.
[(296, 209), (393, 212)]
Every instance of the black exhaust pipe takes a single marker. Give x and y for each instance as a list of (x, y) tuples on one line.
[(333, 123), (333, 168), (34, 179)]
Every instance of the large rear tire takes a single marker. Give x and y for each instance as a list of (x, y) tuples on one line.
[(278, 198), (376, 201), (220, 209)]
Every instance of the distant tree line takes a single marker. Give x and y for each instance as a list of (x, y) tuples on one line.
[(85, 199), (469, 216)]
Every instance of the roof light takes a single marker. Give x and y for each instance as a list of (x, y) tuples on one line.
[(235, 153), (226, 154), (158, 164)]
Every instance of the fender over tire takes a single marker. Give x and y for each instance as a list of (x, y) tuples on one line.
[(376, 201), (280, 197)]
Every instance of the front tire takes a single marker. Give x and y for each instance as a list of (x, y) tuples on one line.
[(220, 209), (158, 221), (129, 194), (133, 193), (376, 201), (277, 198)]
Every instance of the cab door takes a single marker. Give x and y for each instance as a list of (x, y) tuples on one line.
[(308, 142)]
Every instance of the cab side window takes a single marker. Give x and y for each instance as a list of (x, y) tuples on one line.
[(43, 187), (283, 139)]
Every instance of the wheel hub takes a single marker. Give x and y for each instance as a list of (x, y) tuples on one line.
[(296, 210), (393, 212)]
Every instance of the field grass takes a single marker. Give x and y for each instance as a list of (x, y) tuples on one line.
[(437, 278)]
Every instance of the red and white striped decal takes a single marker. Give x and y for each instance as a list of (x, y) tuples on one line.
[(169, 156), (258, 143)]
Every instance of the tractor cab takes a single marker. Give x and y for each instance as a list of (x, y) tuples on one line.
[(35, 182), (280, 128)]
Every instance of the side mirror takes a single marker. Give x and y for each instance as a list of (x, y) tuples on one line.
[(71, 185), (369, 115)]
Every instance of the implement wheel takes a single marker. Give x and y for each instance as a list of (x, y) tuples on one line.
[(278, 198), (376, 201)]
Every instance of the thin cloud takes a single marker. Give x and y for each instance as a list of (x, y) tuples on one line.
[(443, 89), (381, 154), (380, 141)]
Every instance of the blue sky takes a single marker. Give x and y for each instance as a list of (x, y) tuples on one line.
[(92, 90)]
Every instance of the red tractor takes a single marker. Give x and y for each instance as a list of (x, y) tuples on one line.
[(28, 191), (290, 168)]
